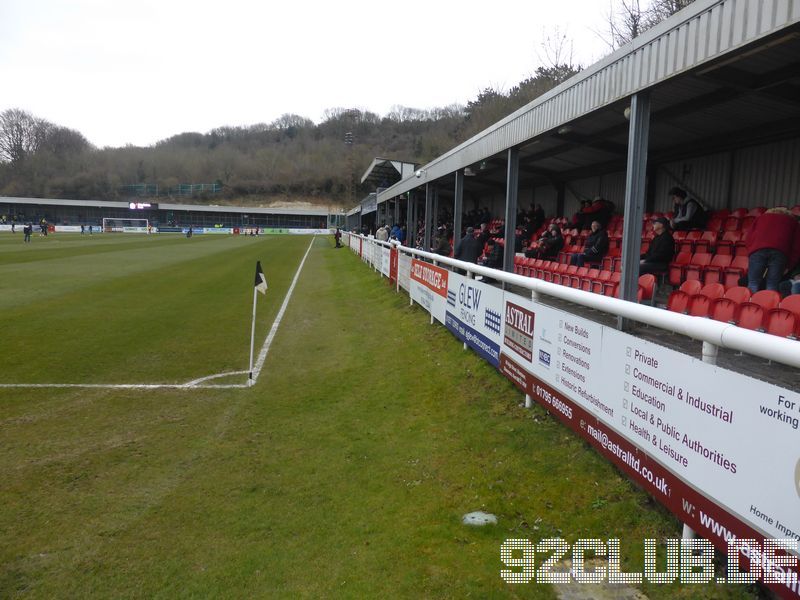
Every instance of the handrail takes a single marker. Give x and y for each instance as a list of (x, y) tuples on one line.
[(724, 335)]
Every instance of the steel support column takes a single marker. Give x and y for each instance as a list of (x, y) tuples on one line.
[(512, 191), (426, 244), (635, 192), (458, 205), (409, 217)]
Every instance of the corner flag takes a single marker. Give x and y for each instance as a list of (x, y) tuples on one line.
[(261, 281)]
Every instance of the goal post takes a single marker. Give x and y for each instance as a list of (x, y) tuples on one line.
[(111, 225)]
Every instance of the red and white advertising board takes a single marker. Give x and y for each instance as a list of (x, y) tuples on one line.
[(429, 288)]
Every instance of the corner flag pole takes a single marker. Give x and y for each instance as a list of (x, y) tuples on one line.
[(260, 286), (252, 338)]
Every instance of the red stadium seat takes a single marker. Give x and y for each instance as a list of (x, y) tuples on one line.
[(747, 222), (713, 272), (647, 283), (739, 212), (610, 286), (576, 278), (696, 266), (729, 238), (678, 300), (782, 322), (677, 268), (700, 303), (559, 272), (732, 223), (756, 211), (736, 271), (726, 309), (687, 243), (603, 277), (752, 314), (609, 260), (588, 279), (796, 210), (707, 242)]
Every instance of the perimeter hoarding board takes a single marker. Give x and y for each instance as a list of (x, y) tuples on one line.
[(473, 315), (721, 450), (429, 287)]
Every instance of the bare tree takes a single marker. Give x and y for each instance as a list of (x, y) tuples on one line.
[(21, 134), (627, 19)]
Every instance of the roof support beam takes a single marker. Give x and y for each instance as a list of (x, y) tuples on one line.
[(458, 204), (426, 243), (512, 191), (635, 190)]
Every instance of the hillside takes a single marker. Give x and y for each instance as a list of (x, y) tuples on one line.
[(287, 159)]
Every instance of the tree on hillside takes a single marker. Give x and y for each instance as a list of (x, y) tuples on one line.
[(628, 19), (21, 134)]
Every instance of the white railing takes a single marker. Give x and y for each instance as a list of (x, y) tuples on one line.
[(713, 334)]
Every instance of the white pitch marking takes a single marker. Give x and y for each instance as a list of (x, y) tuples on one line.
[(262, 355), (195, 383)]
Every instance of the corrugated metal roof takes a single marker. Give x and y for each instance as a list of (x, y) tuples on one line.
[(706, 30)]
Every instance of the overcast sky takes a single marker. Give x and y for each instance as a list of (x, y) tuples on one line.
[(124, 72)]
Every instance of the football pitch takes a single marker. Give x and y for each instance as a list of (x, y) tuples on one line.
[(343, 472)]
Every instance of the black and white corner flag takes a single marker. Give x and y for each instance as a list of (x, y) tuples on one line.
[(261, 281)]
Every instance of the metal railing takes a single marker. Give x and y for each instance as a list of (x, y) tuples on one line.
[(713, 334)]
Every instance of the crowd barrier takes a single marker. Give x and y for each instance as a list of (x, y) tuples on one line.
[(719, 449)]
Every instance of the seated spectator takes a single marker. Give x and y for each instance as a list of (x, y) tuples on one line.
[(594, 249), (662, 248), (688, 212), (773, 244), (468, 248), (551, 243)]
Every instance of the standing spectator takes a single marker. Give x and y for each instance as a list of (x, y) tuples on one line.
[(599, 210), (688, 212), (773, 244), (595, 247), (338, 237), (468, 248), (382, 233), (662, 248), (442, 242)]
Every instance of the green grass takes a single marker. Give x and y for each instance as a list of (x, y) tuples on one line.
[(343, 473)]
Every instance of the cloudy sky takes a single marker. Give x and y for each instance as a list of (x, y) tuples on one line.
[(125, 72)]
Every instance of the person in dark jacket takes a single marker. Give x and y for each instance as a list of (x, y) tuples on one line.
[(442, 242), (468, 248), (688, 212), (662, 248), (595, 247), (551, 243)]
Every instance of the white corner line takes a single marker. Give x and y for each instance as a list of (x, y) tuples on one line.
[(262, 355)]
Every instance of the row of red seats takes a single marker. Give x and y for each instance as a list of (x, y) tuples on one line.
[(707, 268), (588, 279), (762, 311)]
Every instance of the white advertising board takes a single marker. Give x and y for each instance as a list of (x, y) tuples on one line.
[(385, 265), (474, 315), (404, 271)]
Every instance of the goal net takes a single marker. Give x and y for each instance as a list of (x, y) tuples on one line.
[(126, 225)]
